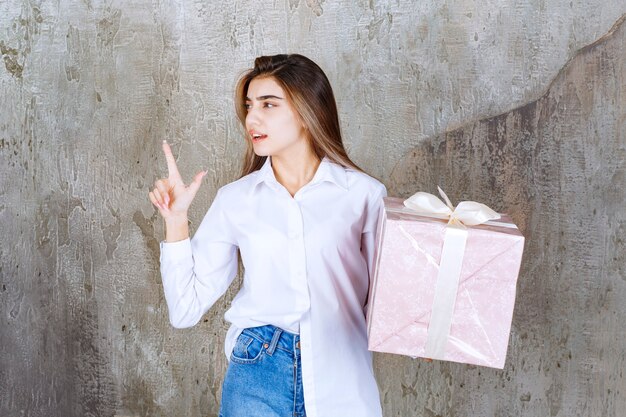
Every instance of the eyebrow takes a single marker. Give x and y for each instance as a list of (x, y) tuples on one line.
[(267, 97)]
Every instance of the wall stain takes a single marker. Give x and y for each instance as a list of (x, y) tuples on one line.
[(111, 233), (616, 256), (315, 6), (52, 226), (74, 52), (10, 57), (89, 369), (147, 230), (37, 16), (379, 27), (408, 390), (17, 305), (430, 413), (7, 50), (108, 26), (139, 399)]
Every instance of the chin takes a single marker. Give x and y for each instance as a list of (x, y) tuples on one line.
[(261, 152)]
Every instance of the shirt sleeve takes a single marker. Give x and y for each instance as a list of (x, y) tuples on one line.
[(196, 272), (368, 237)]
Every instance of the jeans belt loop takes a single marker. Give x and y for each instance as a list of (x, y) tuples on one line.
[(277, 332)]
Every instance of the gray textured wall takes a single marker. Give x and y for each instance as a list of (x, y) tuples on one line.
[(519, 105)]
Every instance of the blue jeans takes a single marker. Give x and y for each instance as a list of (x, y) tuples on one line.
[(264, 377)]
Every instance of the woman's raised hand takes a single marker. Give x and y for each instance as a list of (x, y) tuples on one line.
[(170, 195)]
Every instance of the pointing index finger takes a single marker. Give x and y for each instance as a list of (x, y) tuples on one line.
[(171, 162)]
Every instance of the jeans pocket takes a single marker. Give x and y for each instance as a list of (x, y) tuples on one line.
[(247, 350)]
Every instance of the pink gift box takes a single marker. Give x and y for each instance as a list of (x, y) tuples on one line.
[(407, 263)]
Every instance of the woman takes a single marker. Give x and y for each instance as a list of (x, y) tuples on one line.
[(303, 217)]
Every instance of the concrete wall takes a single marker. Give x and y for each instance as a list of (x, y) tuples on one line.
[(518, 105)]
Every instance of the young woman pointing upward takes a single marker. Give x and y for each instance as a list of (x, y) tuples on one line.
[(303, 216)]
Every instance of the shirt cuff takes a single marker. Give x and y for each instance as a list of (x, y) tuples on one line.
[(175, 251)]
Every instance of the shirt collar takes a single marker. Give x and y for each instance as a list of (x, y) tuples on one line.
[(326, 171)]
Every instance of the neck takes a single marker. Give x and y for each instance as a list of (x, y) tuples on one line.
[(294, 173)]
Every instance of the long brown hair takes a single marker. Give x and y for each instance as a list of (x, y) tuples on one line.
[(309, 92)]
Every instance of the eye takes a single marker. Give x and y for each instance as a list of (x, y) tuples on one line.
[(268, 105), (247, 106)]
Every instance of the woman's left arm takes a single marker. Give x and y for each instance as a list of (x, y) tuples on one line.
[(368, 236)]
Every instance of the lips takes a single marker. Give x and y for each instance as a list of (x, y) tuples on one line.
[(257, 136)]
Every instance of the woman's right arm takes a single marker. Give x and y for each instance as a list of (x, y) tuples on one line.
[(195, 272)]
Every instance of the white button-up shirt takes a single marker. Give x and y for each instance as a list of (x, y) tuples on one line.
[(307, 260)]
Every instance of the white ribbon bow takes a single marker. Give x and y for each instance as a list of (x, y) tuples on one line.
[(467, 213)]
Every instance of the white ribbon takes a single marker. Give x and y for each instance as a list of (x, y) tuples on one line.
[(467, 213)]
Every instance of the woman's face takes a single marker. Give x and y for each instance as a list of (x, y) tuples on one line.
[(272, 124)]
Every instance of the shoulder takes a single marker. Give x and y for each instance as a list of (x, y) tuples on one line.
[(237, 190), (363, 183)]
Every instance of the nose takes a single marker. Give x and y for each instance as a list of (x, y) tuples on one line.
[(252, 117)]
